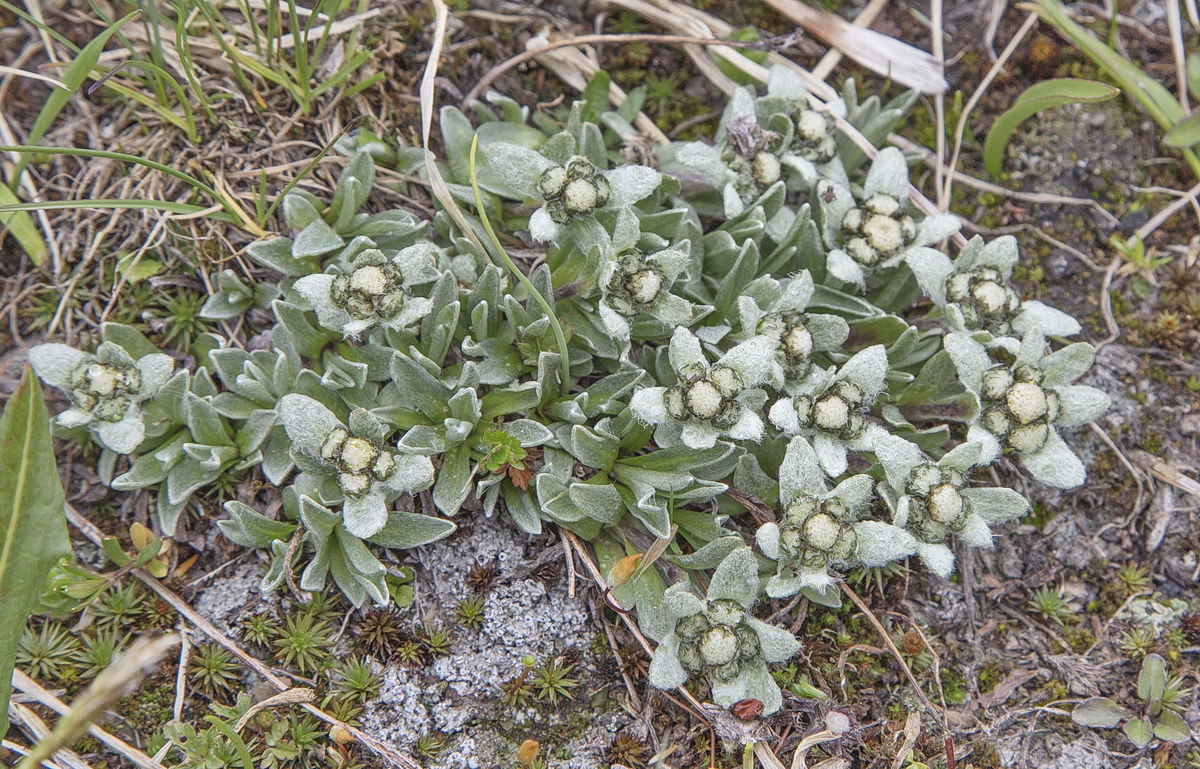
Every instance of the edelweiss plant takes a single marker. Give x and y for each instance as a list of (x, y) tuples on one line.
[(106, 389), (716, 637), (709, 400), (873, 229), (351, 463), (735, 315), (1017, 407)]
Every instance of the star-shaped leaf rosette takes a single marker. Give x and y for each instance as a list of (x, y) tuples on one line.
[(1018, 406), (832, 411), (375, 291), (106, 389), (975, 294), (709, 400), (634, 284), (717, 638), (350, 464), (777, 309), (821, 530), (933, 501), (874, 229), (569, 192)]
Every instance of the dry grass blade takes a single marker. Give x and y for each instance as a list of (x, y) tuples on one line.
[(833, 56), (5, 70), (36, 692), (877, 52), (383, 750)]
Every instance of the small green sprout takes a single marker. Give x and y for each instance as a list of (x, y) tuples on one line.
[(1157, 715), (553, 680), (213, 670), (303, 642)]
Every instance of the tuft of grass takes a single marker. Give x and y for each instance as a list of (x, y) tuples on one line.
[(212, 669), (470, 612), (303, 643), (48, 653), (553, 680), (1052, 605)]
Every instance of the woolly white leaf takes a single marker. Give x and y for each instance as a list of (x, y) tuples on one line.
[(881, 543), (156, 370), (1066, 365), (1049, 320), (867, 369), (678, 602), (614, 322), (631, 183), (931, 269), (307, 422), (855, 492), (418, 264), (831, 453), (752, 359), (898, 458), (124, 436), (783, 83), (704, 159), (673, 261), (672, 310), (364, 516), (996, 505), (939, 559), (665, 670), (1033, 346), (888, 174), (415, 308), (989, 445), (733, 201), (699, 435), (1000, 254), (749, 427), (413, 473), (777, 644), (975, 532), (1080, 403), (74, 418), (1055, 464), (845, 269), (55, 363), (936, 227), (736, 579), (767, 538), (829, 332), (519, 167), (962, 456), (684, 349), (759, 685), (800, 471), (970, 358), (626, 231), (541, 227)]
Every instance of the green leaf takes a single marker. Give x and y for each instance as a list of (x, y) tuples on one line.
[(1138, 731), (1099, 712), (1171, 727), (405, 530), (136, 268), (1152, 681), (33, 530), (1039, 96), (22, 228), (1186, 132)]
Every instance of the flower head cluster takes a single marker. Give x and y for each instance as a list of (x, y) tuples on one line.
[(871, 229), (933, 500), (574, 190), (716, 637), (833, 407), (1019, 404), (571, 190), (708, 400), (351, 463), (634, 283), (821, 529), (779, 311), (106, 389), (975, 294), (375, 290)]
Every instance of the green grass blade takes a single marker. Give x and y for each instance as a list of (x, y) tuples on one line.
[(33, 529), (73, 78), (1039, 96), (199, 185), (21, 226), (152, 205), (1186, 133)]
